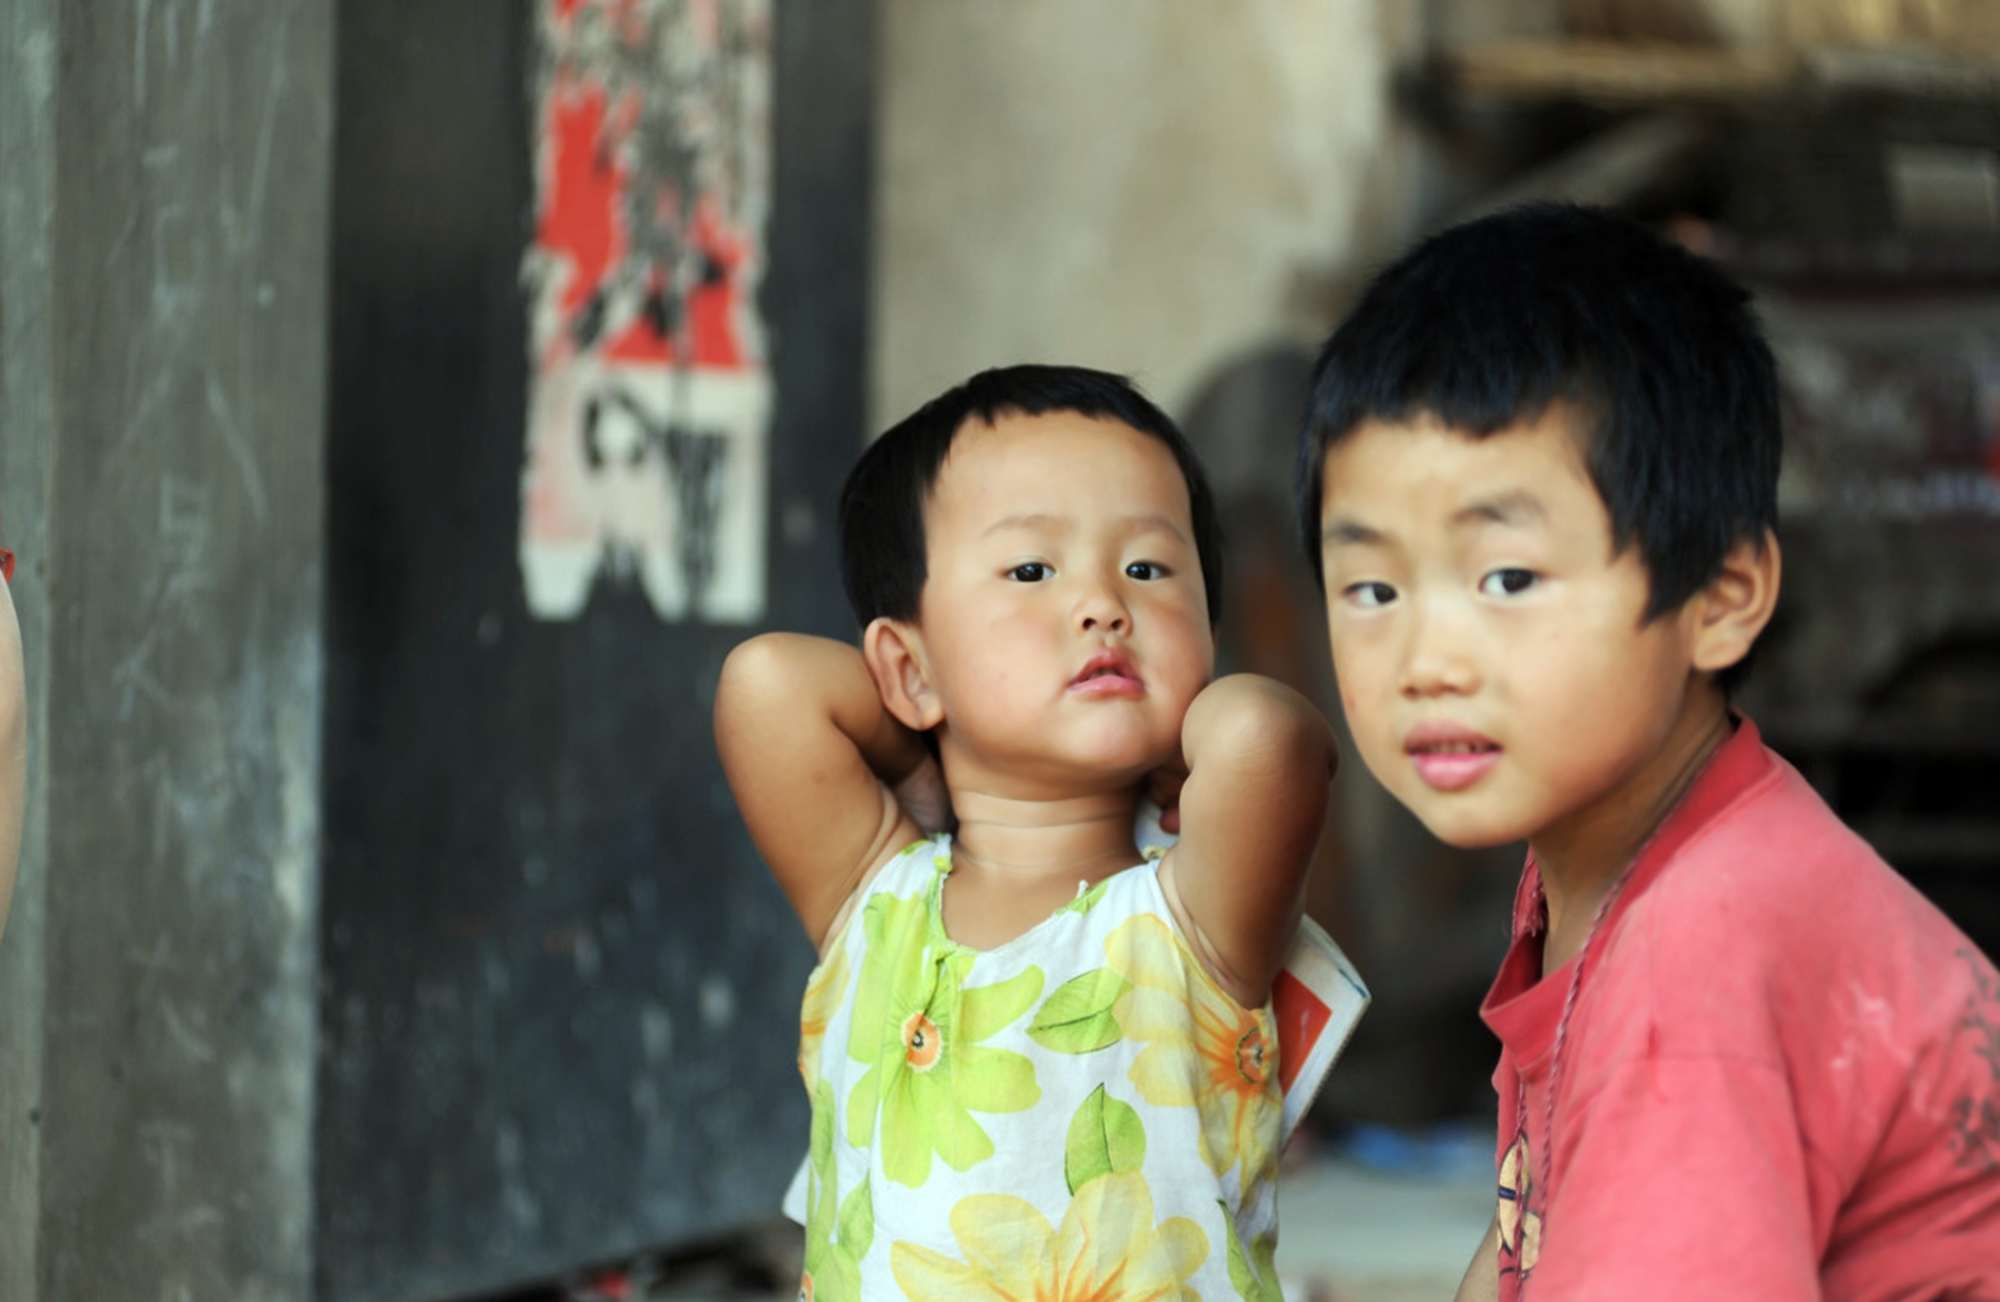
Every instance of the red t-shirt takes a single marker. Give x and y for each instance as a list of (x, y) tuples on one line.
[(1780, 1078)]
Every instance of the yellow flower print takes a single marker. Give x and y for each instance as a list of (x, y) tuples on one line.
[(1231, 1078), (824, 990), (920, 1034), (1107, 1250)]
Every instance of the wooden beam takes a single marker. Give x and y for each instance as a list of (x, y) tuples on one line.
[(1618, 73), (1611, 168)]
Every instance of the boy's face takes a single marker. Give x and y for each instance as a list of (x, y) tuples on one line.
[(1064, 620), (1493, 660)]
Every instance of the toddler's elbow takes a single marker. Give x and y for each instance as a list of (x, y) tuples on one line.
[(1258, 721), (758, 672)]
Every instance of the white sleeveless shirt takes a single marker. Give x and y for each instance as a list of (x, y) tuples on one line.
[(1080, 1112)]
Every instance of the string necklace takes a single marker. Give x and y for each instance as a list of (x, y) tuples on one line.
[(1536, 1171)]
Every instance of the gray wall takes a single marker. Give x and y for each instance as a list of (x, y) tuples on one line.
[(27, 161), (1152, 186), (162, 287)]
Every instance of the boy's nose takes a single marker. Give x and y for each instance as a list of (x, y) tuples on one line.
[(1438, 658)]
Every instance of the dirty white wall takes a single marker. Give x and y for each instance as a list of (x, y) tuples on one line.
[(1151, 186)]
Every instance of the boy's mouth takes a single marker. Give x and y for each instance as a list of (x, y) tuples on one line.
[(1448, 757), (1108, 673)]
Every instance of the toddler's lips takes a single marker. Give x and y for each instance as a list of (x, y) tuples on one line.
[(1107, 685), (1451, 759), (1108, 673)]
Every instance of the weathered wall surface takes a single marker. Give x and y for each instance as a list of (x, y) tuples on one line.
[(1147, 185), (27, 161), (163, 258)]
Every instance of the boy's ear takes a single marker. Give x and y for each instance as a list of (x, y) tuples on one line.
[(895, 654), (1736, 605)]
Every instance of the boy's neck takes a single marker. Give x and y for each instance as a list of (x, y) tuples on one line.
[(1581, 858)]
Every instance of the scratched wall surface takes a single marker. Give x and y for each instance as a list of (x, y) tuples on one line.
[(185, 319), (27, 161), (560, 992)]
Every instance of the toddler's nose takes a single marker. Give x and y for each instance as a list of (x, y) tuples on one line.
[(1099, 610)]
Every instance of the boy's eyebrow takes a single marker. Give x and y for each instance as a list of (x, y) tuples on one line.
[(1515, 507)]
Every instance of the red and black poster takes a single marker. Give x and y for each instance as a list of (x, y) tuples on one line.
[(650, 393)]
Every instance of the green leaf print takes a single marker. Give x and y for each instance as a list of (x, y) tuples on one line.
[(1087, 901), (985, 1011), (1078, 1017), (857, 1223), (919, 1030), (834, 1244), (1106, 1137), (820, 1149), (1258, 1283)]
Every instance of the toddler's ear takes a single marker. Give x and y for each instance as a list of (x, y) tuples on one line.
[(895, 655), (1737, 603)]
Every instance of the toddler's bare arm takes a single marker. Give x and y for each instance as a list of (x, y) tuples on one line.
[(811, 755), (1259, 757)]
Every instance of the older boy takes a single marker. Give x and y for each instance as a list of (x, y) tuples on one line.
[(1741, 1058)]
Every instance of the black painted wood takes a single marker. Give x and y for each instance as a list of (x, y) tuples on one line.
[(560, 992)]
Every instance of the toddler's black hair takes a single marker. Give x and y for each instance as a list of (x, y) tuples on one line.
[(882, 554), (1484, 325)]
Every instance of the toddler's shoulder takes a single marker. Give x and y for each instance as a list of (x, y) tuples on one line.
[(904, 879)]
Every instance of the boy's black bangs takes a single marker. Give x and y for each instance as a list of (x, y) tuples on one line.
[(1459, 367), (1485, 325)]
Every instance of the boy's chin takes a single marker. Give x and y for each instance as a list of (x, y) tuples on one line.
[(1464, 830)]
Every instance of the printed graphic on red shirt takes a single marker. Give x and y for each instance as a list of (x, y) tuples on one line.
[(1976, 1117), (1520, 1227)]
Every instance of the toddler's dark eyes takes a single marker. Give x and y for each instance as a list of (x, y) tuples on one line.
[(1370, 595), (1507, 583), (1031, 572), (1145, 570)]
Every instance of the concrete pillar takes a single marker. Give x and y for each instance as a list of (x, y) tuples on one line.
[(27, 162), (162, 297)]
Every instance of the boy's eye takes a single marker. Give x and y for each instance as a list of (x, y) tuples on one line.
[(1370, 595), (1507, 583), (1030, 572), (1145, 570)]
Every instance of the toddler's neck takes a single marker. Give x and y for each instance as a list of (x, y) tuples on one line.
[(1030, 841), (1016, 862)]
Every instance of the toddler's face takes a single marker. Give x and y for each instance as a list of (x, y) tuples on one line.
[(1064, 615), (1492, 660)]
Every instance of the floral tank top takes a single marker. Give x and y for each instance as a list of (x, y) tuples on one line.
[(1079, 1113)]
